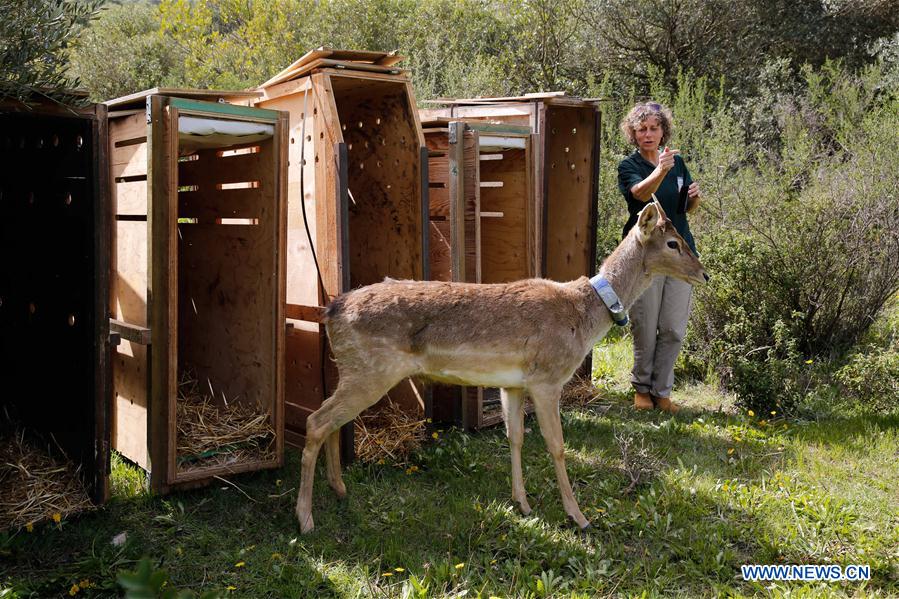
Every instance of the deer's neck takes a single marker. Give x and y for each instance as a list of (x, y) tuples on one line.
[(625, 272)]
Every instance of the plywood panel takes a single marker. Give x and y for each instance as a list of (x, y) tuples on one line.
[(225, 298), (504, 241), (129, 282), (130, 383), (130, 198), (570, 187)]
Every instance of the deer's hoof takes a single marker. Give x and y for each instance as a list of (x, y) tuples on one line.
[(306, 523)]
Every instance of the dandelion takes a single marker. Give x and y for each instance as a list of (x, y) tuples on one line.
[(57, 517), (399, 569), (730, 451), (435, 435), (773, 412), (30, 527), (387, 574), (751, 413), (460, 565), (74, 590), (230, 588), (493, 561), (809, 361), (240, 564), (85, 584)]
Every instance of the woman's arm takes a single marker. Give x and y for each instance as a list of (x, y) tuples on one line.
[(644, 189)]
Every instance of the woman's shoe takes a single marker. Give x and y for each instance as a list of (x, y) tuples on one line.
[(666, 405), (643, 401)]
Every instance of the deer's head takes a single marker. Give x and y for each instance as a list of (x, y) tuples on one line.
[(666, 252)]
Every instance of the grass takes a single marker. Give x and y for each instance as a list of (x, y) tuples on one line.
[(716, 489)]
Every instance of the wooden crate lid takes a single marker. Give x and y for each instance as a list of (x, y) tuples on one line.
[(360, 60), (558, 97), (139, 99)]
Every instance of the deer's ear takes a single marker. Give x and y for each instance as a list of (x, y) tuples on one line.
[(647, 220)]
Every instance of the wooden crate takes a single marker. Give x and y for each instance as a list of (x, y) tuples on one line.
[(357, 179), (566, 172), (54, 243), (481, 225), (199, 205)]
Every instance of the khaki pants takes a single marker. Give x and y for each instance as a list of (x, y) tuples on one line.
[(658, 324)]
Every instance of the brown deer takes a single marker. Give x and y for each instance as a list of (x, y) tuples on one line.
[(524, 337)]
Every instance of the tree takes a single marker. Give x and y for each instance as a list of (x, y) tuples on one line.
[(34, 38), (122, 52)]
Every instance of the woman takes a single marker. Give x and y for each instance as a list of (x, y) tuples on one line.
[(659, 317)]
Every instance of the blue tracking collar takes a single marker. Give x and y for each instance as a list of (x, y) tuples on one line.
[(608, 296)]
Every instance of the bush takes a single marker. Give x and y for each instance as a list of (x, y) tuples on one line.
[(806, 251)]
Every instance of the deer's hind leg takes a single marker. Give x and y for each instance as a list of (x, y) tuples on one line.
[(513, 414), (546, 404), (356, 391)]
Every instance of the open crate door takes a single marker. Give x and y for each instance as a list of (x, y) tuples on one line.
[(216, 264), (54, 281)]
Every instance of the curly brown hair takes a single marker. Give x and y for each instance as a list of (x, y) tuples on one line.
[(640, 113)]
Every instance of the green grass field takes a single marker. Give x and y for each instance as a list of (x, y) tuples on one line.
[(677, 505)]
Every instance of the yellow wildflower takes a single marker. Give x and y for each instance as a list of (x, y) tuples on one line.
[(773, 412), (399, 569), (230, 588), (240, 564), (435, 435), (459, 566), (809, 361), (730, 451), (278, 482), (85, 584), (74, 590), (57, 517), (276, 555), (30, 527), (751, 413), (387, 574)]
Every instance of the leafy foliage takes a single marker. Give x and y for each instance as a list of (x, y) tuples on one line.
[(34, 37)]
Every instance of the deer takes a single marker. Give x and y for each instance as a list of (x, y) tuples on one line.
[(525, 337)]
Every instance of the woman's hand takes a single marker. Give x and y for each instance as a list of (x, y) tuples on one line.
[(695, 195), (666, 159)]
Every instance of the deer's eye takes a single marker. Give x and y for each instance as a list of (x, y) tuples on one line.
[(672, 244)]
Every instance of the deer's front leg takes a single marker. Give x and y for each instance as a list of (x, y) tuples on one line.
[(513, 413), (546, 404)]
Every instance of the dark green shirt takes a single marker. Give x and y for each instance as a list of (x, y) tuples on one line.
[(634, 169)]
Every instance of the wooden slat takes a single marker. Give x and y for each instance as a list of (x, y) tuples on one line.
[(307, 313), (129, 161), (213, 170), (130, 198), (490, 184), (131, 332), (209, 204)]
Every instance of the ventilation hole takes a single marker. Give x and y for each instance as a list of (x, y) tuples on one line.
[(21, 143), (314, 111), (1, 302), (567, 149), (32, 308), (361, 166), (343, 127), (68, 199), (79, 142), (359, 124), (572, 167), (574, 131), (378, 121), (71, 320), (316, 159), (379, 164), (54, 141), (553, 165), (366, 144), (304, 162), (293, 141), (321, 135), (39, 143), (349, 146), (308, 138)]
